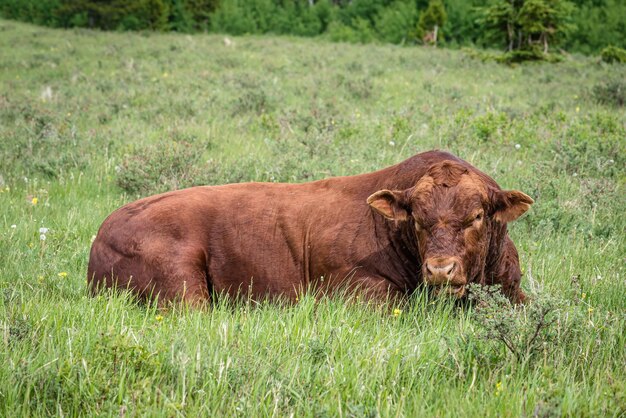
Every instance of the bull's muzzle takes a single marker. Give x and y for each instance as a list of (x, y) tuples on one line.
[(446, 273)]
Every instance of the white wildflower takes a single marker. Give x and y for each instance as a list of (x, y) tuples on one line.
[(46, 94), (43, 230), (42, 237), (518, 146)]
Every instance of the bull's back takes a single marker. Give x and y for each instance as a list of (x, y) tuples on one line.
[(233, 238)]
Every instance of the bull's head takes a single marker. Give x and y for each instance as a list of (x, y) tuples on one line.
[(453, 213)]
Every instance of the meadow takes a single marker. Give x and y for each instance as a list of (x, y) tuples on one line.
[(92, 120)]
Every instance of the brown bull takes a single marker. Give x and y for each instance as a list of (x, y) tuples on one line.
[(431, 219)]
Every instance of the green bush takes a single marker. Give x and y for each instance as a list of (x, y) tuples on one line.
[(395, 23), (41, 12), (522, 332), (200, 11), (610, 92), (161, 167), (598, 23), (431, 21), (613, 54), (527, 28), (181, 19), (115, 14), (359, 31)]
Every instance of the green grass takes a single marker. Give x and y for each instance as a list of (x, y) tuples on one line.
[(90, 120)]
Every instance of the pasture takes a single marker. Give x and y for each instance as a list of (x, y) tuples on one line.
[(91, 120)]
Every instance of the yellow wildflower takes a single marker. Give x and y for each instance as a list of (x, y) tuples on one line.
[(34, 201), (584, 295), (498, 388), (62, 274), (159, 318), (590, 310), (397, 312)]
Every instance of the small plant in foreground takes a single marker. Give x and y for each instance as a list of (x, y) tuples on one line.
[(523, 330)]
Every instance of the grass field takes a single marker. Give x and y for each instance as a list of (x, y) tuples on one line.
[(90, 120)]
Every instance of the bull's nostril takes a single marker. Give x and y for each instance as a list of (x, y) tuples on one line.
[(450, 269)]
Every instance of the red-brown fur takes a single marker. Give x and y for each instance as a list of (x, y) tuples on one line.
[(266, 239)]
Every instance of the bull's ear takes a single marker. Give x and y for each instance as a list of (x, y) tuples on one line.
[(390, 203), (510, 205)]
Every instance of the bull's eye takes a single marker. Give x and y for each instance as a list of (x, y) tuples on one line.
[(472, 222)]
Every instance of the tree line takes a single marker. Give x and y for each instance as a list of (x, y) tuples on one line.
[(529, 26)]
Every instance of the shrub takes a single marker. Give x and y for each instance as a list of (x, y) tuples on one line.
[(161, 167), (200, 12), (115, 14), (613, 54), (524, 331), (41, 12), (431, 22), (527, 27), (395, 23), (180, 19), (359, 31), (598, 24), (610, 92)]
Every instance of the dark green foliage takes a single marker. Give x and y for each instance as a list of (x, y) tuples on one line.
[(598, 23), (431, 21), (296, 17), (613, 54), (115, 14), (200, 12), (395, 23), (359, 31), (588, 27), (41, 12), (462, 28), (530, 26), (181, 19)]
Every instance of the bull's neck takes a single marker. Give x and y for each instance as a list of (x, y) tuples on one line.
[(399, 248), (495, 251)]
